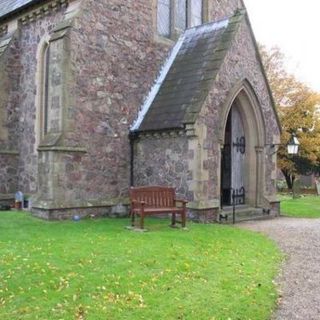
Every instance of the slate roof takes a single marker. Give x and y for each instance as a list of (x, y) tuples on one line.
[(187, 83), (5, 42), (11, 6)]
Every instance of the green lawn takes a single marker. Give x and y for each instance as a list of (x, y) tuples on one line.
[(96, 269), (303, 207)]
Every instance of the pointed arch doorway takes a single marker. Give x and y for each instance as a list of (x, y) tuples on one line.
[(233, 160), (242, 149)]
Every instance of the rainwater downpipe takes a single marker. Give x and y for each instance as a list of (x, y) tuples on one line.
[(132, 137)]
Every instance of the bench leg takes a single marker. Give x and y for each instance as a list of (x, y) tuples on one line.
[(183, 218), (132, 219), (173, 219), (142, 220)]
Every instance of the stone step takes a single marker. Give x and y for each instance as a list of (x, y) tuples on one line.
[(243, 213)]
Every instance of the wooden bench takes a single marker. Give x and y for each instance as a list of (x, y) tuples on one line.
[(156, 200)]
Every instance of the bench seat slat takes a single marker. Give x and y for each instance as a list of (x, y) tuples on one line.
[(159, 210)]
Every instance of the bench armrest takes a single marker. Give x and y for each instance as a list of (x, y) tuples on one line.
[(181, 201), (139, 203)]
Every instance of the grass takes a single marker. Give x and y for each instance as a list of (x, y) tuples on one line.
[(95, 269), (303, 207)]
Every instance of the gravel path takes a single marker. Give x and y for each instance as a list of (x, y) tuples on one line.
[(300, 279)]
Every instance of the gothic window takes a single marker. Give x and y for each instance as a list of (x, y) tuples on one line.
[(181, 14), (196, 12), (42, 89), (164, 17), (174, 16), (45, 87)]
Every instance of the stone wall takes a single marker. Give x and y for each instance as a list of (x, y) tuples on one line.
[(10, 73), (9, 114), (219, 9), (163, 159), (115, 211), (115, 60), (8, 173), (174, 159)]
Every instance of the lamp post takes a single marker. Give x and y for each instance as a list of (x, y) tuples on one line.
[(293, 148), (293, 145)]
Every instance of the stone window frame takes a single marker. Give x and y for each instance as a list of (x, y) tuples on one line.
[(42, 83), (175, 31)]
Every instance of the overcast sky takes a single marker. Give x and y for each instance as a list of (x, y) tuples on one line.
[(294, 26)]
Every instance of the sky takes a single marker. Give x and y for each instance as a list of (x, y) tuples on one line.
[(293, 26)]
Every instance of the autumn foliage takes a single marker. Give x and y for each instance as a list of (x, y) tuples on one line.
[(298, 108)]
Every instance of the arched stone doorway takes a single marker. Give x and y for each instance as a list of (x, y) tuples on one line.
[(233, 157), (242, 139)]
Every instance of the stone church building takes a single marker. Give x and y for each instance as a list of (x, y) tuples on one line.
[(98, 95)]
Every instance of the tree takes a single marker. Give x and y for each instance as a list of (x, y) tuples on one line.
[(298, 108)]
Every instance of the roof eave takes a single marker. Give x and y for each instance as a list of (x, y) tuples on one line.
[(12, 13)]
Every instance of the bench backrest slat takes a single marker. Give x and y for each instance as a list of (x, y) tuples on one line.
[(158, 197)]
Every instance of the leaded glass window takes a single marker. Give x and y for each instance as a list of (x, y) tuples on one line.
[(164, 17), (195, 12), (176, 15), (181, 14)]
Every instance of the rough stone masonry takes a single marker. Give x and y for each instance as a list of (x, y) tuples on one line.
[(74, 76)]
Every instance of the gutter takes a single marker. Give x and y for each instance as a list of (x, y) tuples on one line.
[(19, 9)]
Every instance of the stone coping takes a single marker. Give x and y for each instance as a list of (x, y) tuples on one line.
[(204, 204), (62, 149), (272, 199), (9, 152), (55, 205), (6, 196)]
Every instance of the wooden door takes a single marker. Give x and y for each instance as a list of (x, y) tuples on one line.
[(238, 156), (233, 160)]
